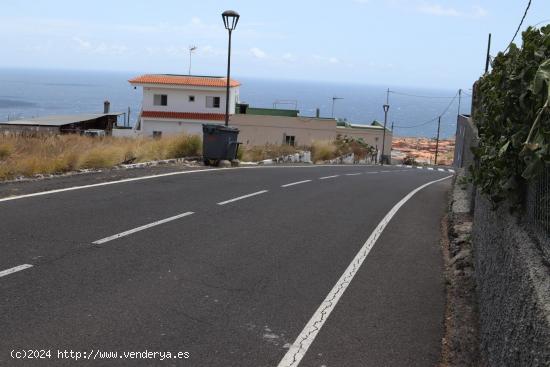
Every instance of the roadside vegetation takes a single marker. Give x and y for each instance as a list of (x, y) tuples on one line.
[(320, 150), (512, 114), (28, 156)]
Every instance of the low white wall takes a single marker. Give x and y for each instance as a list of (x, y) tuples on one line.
[(126, 133)]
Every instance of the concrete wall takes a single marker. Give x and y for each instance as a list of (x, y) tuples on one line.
[(29, 130), (260, 130), (171, 126), (513, 284), (466, 138), (178, 99)]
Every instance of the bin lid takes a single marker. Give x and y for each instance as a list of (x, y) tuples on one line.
[(211, 127)]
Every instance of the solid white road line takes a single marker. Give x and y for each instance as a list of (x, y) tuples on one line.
[(296, 183), (129, 232), (73, 188), (243, 197), (327, 177), (302, 343), (354, 174), (3, 273)]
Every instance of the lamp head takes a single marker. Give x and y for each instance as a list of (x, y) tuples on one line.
[(230, 19), (386, 107)]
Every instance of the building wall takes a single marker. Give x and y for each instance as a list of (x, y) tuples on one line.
[(169, 126), (261, 130), (178, 99), (29, 130)]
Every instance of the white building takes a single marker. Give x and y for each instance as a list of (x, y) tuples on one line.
[(182, 103)]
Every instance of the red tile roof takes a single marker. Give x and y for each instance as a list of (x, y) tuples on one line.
[(184, 115), (189, 80)]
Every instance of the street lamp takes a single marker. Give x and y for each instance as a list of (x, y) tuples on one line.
[(191, 50), (230, 20), (386, 109)]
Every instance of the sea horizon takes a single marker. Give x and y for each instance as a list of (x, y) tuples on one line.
[(27, 93)]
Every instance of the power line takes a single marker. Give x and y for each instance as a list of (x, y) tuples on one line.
[(418, 96), (519, 27), (419, 125), (434, 119)]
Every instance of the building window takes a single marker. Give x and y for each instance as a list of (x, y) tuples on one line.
[(191, 98), (212, 102), (160, 100), (290, 140)]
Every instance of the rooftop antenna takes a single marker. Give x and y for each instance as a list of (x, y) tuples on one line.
[(191, 49)]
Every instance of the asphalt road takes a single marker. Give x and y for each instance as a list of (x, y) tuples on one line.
[(227, 268)]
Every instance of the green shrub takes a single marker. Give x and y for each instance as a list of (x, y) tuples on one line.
[(512, 114)]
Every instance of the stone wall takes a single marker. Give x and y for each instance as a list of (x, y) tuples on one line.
[(513, 286)]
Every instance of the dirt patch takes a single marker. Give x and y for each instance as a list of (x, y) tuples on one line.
[(460, 345)]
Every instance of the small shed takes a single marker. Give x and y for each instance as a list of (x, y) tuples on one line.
[(66, 124)]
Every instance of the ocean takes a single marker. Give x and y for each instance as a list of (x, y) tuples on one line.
[(414, 111)]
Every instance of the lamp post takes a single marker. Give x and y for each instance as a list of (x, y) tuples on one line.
[(386, 109), (230, 20), (191, 49)]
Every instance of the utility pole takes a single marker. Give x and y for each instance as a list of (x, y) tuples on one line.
[(391, 145), (437, 141), (191, 49), (488, 60), (333, 100)]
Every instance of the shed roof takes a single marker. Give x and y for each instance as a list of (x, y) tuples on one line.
[(59, 120), (187, 80)]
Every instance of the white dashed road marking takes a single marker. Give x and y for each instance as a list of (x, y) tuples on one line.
[(3, 273), (327, 177), (353, 174), (296, 183), (299, 348), (129, 232), (242, 197)]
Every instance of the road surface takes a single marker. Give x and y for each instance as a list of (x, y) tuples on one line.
[(273, 266)]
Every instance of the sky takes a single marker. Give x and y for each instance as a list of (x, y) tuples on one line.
[(416, 43)]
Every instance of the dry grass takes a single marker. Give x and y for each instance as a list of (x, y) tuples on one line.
[(28, 156), (323, 151)]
